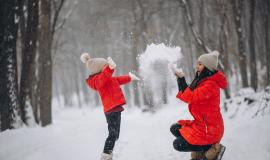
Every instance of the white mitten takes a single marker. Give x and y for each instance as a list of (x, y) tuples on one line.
[(177, 71), (133, 77), (111, 63), (84, 57)]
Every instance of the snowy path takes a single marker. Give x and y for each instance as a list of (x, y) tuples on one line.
[(80, 134)]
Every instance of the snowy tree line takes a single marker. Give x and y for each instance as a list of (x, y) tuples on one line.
[(122, 29), (41, 45), (27, 32)]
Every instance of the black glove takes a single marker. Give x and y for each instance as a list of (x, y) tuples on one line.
[(194, 84), (182, 84)]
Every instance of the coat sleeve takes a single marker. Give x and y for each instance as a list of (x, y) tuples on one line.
[(123, 79), (201, 93), (103, 77)]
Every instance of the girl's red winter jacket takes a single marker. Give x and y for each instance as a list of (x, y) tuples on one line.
[(108, 88), (207, 126)]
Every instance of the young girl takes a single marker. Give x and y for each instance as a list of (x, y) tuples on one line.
[(202, 135), (108, 87)]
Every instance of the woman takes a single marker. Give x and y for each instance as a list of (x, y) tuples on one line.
[(202, 135)]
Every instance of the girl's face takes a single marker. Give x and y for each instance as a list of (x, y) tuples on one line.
[(104, 66), (199, 67)]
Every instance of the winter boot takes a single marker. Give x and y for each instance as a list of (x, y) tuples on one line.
[(105, 156), (197, 155), (215, 152), (220, 154)]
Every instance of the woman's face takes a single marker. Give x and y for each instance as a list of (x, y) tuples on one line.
[(199, 67)]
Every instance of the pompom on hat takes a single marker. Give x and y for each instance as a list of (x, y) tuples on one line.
[(94, 65), (210, 60), (84, 57)]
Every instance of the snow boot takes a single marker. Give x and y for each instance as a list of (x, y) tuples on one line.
[(216, 151), (220, 154), (105, 156), (197, 155)]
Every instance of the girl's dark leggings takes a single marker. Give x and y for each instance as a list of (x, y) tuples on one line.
[(180, 144), (114, 120)]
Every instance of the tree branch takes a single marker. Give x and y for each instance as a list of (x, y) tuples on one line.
[(196, 35), (60, 26), (56, 14)]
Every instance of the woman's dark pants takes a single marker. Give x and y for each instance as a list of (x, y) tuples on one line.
[(180, 144)]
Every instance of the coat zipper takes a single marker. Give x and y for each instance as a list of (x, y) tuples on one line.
[(205, 126)]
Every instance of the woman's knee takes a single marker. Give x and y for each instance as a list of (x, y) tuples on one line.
[(180, 144), (177, 145), (175, 129)]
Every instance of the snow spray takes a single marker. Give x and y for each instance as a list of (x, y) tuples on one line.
[(154, 68)]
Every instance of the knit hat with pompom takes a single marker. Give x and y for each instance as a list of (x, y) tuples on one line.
[(94, 65), (210, 60)]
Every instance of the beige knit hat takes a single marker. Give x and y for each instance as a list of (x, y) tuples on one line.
[(210, 60), (94, 65)]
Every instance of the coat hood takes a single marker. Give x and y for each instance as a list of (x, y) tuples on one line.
[(220, 79)]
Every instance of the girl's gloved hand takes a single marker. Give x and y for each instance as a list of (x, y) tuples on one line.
[(133, 77)]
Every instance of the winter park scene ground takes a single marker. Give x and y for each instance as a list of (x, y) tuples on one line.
[(80, 133), (134, 80)]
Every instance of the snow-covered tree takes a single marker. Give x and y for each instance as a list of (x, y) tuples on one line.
[(8, 64)]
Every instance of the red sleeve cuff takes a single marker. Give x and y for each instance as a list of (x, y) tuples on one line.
[(129, 78), (179, 95), (123, 79)]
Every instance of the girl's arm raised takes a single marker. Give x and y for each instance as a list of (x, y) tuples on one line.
[(123, 79)]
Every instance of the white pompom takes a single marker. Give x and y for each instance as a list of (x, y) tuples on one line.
[(216, 53), (85, 57)]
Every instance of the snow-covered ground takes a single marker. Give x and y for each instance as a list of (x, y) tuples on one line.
[(80, 134)]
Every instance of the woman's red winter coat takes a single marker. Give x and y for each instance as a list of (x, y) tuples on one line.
[(207, 126), (108, 88)]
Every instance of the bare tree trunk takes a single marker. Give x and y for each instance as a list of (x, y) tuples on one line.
[(45, 62), (202, 20), (28, 58), (196, 35), (188, 42), (142, 20), (164, 91), (135, 46), (223, 43), (148, 98), (267, 42), (135, 63), (253, 61), (77, 88), (237, 6), (8, 63)]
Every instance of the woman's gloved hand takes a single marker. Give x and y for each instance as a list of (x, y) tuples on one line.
[(177, 71)]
